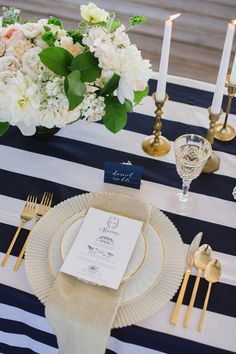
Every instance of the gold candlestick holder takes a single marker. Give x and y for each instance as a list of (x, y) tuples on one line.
[(213, 162), (156, 144), (224, 131)]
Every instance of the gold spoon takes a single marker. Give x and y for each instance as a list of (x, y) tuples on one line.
[(201, 260), (212, 275)]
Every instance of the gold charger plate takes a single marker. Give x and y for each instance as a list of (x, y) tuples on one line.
[(41, 279)]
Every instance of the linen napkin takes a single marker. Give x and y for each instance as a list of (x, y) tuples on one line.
[(82, 314)]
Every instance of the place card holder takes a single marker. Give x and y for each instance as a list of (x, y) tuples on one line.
[(124, 174)]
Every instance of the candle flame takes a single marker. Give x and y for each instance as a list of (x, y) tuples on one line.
[(173, 17), (233, 22)]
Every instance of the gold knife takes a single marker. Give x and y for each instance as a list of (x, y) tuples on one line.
[(189, 263)]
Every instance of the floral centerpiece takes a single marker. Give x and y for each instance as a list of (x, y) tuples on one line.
[(51, 77)]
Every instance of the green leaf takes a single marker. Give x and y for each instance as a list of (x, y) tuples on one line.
[(128, 105), (116, 24), (74, 89), (49, 37), (115, 118), (87, 64), (139, 95), (57, 60), (110, 86), (137, 20), (76, 36), (3, 127), (54, 21)]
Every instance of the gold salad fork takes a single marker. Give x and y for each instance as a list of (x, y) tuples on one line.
[(27, 214), (42, 209)]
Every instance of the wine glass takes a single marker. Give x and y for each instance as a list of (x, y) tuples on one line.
[(191, 153)]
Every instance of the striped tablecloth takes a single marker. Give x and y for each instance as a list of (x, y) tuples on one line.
[(71, 163)]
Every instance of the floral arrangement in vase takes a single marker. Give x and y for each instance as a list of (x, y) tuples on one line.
[(51, 77)]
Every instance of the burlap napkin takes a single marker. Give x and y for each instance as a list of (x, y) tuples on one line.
[(81, 314)]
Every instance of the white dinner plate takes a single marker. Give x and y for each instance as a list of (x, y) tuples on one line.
[(147, 259)]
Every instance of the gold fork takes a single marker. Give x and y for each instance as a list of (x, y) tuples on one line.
[(42, 209), (27, 214)]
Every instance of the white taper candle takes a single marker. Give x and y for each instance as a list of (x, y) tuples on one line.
[(220, 83), (165, 52)]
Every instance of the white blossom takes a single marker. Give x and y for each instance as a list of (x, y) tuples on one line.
[(92, 13)]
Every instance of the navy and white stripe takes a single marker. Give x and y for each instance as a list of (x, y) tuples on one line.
[(72, 163)]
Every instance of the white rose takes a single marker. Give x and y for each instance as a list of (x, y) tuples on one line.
[(92, 13), (108, 58), (2, 48), (6, 75), (67, 43), (18, 48), (9, 63), (31, 63), (31, 30)]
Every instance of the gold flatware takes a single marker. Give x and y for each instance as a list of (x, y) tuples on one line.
[(42, 209), (212, 275), (201, 259), (26, 215), (189, 263)]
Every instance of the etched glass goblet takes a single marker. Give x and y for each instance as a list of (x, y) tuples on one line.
[(191, 153)]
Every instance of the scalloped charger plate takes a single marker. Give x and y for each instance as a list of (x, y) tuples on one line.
[(140, 300)]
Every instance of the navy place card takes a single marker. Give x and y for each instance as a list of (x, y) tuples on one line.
[(123, 174)]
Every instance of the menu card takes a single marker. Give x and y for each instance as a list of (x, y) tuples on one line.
[(102, 248)]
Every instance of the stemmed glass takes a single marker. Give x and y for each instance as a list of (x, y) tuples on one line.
[(191, 153)]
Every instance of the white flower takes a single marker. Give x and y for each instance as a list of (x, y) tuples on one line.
[(6, 75), (52, 87), (96, 37), (107, 56), (92, 13), (120, 37), (2, 48), (133, 68), (18, 48), (124, 90), (9, 63), (31, 30), (31, 63), (41, 23), (19, 100), (92, 108), (67, 43), (39, 42)]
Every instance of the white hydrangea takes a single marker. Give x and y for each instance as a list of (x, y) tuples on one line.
[(92, 108)]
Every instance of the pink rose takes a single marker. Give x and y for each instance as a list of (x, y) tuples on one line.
[(12, 34)]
